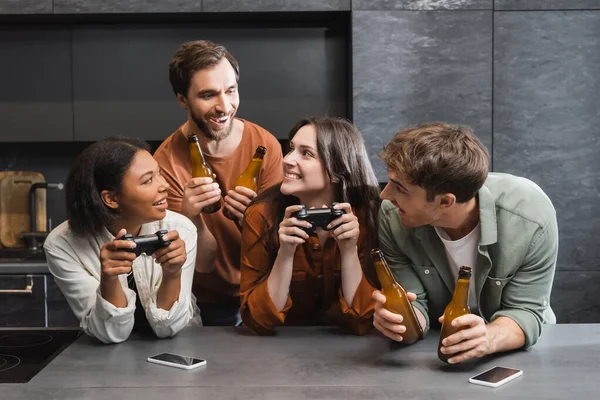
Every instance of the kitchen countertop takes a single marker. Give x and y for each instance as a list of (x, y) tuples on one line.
[(311, 362), (19, 260), (23, 267)]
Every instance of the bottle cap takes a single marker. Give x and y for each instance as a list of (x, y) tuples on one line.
[(376, 253), (261, 150)]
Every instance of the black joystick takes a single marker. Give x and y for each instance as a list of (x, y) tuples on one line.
[(147, 244), (318, 217)]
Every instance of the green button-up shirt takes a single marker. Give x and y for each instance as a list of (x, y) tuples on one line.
[(515, 262)]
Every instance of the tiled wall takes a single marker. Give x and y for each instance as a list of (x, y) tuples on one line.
[(546, 127), (525, 75)]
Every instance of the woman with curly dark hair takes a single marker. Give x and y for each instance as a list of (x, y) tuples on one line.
[(115, 188)]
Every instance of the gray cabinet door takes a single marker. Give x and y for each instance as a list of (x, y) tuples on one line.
[(23, 300), (121, 83), (59, 311), (35, 82), (26, 7)]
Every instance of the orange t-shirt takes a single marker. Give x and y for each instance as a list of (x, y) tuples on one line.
[(315, 296), (173, 156)]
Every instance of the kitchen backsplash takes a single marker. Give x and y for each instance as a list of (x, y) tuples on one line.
[(53, 160)]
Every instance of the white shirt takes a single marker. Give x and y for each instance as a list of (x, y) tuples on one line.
[(462, 252), (75, 263)]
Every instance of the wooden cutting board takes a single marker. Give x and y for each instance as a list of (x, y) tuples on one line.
[(14, 206)]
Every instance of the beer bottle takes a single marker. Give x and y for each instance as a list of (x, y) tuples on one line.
[(201, 169), (248, 178), (457, 307), (396, 299)]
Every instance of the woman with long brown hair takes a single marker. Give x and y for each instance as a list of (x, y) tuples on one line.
[(293, 273)]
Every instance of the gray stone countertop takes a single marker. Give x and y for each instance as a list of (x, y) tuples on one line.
[(315, 362), (8, 267)]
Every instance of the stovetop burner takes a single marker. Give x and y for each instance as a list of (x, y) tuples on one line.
[(7, 362), (24, 340), (24, 353)]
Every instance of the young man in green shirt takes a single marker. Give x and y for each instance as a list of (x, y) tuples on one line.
[(442, 210)]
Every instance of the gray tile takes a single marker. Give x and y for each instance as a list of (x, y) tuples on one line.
[(95, 6), (275, 5), (546, 101), (546, 4), (422, 4), (575, 296), (170, 6), (416, 67), (25, 6)]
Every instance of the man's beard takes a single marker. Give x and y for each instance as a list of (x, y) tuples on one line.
[(209, 133)]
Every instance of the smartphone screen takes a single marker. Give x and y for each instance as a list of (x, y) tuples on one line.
[(177, 359), (496, 374)]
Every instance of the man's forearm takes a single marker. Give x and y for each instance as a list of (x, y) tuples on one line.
[(505, 334), (205, 260)]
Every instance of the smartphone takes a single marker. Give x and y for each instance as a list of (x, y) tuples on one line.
[(177, 361), (496, 376)]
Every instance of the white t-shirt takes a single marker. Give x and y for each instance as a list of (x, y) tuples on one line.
[(462, 252)]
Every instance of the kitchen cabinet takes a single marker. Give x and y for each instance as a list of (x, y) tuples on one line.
[(26, 7), (274, 5), (23, 299), (119, 6), (33, 300), (121, 84), (59, 311), (35, 77)]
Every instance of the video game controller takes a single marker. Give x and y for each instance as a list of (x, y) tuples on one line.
[(318, 217), (147, 244)]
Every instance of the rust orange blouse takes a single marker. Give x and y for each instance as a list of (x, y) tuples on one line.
[(315, 295)]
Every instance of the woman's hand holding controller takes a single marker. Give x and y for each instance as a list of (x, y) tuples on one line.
[(116, 257), (290, 231)]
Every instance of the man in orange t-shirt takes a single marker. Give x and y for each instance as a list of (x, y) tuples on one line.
[(204, 77)]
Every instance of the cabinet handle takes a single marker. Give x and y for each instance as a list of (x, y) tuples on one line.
[(28, 288)]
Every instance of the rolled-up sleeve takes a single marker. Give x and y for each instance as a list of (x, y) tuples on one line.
[(98, 317), (401, 265), (167, 323), (257, 309), (526, 297), (359, 317)]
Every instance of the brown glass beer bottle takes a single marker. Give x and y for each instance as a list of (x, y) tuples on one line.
[(201, 169), (248, 178), (459, 305), (396, 299)]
